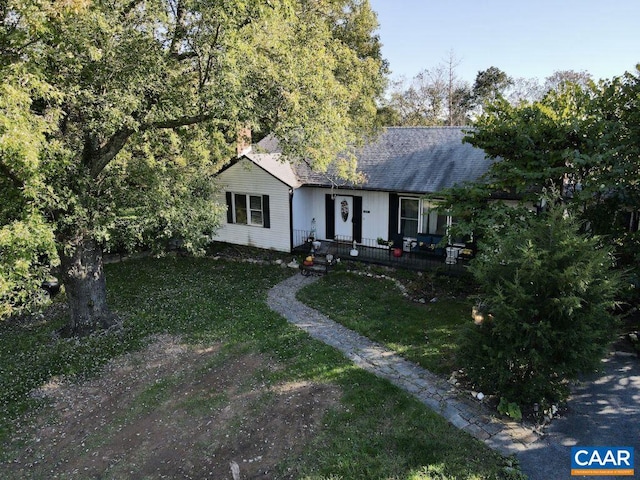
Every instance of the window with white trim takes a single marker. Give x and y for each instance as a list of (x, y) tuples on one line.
[(248, 209), (409, 220), (422, 216), (434, 222)]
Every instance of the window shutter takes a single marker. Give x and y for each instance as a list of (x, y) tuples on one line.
[(394, 205), (266, 220), (229, 208), (330, 216), (357, 219)]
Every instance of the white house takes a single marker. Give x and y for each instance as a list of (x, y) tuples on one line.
[(273, 204)]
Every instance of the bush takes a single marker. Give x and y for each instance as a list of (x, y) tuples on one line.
[(27, 253), (547, 292)]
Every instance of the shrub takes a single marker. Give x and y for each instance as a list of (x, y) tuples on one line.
[(27, 253), (547, 290)]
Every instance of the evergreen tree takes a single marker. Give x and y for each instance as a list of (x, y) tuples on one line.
[(547, 293)]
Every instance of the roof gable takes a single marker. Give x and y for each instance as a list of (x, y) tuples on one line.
[(273, 164)]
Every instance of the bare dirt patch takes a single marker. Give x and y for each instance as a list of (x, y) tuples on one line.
[(171, 411)]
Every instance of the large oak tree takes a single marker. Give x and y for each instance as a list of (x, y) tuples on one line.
[(121, 112)]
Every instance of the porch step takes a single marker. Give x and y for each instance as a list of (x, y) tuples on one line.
[(321, 264)]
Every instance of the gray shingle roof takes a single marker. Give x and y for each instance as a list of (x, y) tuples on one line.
[(406, 159), (414, 160)]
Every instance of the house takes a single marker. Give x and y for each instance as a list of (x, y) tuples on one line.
[(273, 204)]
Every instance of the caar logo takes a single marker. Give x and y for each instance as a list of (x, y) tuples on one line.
[(612, 461)]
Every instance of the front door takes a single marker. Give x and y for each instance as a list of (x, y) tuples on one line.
[(344, 218)]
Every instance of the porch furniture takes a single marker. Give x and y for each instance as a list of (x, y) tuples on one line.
[(452, 255), (427, 244)]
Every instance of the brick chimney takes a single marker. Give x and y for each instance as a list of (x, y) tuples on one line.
[(243, 143)]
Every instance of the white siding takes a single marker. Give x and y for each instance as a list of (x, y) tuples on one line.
[(309, 203), (304, 210), (246, 177), (375, 216)]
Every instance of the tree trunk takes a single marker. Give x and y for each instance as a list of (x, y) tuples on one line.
[(85, 285)]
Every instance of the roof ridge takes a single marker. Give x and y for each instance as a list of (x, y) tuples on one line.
[(420, 159)]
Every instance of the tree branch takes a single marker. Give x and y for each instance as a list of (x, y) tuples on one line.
[(204, 76), (109, 151), (178, 32), (179, 122), (118, 140)]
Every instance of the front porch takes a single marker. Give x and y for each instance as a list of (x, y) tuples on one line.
[(370, 251)]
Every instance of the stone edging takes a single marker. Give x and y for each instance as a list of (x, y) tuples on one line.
[(436, 393)]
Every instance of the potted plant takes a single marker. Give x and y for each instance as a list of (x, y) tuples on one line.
[(383, 242)]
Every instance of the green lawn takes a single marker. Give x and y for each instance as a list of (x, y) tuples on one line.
[(423, 333), (379, 432)]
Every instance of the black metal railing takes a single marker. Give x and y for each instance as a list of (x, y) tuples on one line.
[(379, 251)]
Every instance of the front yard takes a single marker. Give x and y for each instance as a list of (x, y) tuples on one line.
[(422, 326), (203, 376)]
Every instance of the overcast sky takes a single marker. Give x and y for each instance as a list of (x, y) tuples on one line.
[(530, 38)]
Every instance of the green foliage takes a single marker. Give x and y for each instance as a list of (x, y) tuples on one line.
[(490, 84), (582, 140), (547, 292), (510, 409), (115, 117), (162, 190), (534, 141), (27, 249)]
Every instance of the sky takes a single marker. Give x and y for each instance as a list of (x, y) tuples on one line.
[(530, 39)]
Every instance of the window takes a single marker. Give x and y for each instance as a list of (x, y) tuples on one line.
[(422, 216), (247, 209), (409, 216), (255, 209), (433, 221), (240, 209)]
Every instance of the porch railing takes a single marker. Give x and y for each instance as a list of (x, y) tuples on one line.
[(379, 252)]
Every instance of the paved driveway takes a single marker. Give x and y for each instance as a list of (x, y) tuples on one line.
[(604, 410)]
